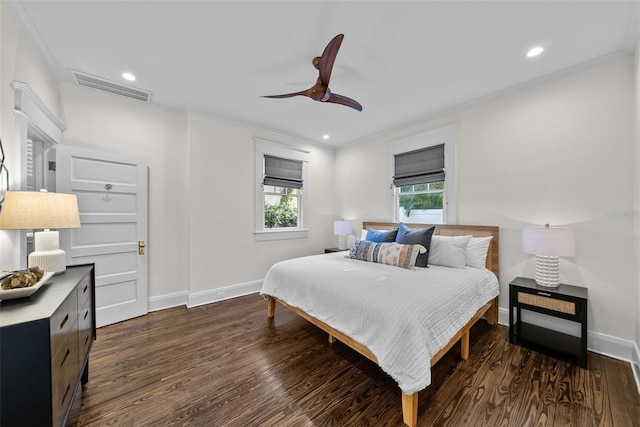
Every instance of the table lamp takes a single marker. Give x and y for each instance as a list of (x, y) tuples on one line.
[(28, 210), (342, 229), (548, 244)]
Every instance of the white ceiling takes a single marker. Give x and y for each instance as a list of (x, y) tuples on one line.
[(403, 61)]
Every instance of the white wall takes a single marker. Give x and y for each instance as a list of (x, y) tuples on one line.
[(19, 61), (560, 152), (111, 123), (222, 245)]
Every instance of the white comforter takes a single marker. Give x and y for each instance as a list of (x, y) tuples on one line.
[(404, 317)]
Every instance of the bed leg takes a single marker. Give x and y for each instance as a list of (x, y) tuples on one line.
[(464, 345), (410, 409), (492, 313), (332, 339), (271, 307)]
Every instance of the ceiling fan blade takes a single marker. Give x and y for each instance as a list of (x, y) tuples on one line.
[(286, 95), (328, 58), (343, 100)]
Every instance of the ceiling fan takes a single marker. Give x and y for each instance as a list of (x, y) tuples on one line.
[(320, 91)]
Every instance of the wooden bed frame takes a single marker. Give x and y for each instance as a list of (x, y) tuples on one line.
[(490, 310)]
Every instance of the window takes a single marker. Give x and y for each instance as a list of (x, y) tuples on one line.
[(423, 177), (281, 207), (280, 191), (421, 203), (419, 185)]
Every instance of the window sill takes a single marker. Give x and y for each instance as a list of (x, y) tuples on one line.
[(265, 235)]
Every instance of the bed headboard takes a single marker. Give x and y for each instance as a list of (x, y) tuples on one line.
[(493, 263)]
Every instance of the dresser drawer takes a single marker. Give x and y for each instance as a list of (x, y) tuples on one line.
[(64, 375), (64, 321), (85, 333), (84, 291)]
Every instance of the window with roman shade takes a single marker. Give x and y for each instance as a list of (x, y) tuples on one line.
[(422, 174), (282, 172), (280, 191), (419, 167)]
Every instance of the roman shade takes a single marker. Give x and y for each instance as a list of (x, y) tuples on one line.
[(282, 172), (420, 166)]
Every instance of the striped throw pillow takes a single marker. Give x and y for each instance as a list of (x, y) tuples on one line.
[(386, 253)]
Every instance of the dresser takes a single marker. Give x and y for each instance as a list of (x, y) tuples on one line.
[(45, 342)]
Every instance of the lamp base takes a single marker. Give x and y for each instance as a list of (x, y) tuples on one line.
[(342, 242), (548, 271), (50, 261)]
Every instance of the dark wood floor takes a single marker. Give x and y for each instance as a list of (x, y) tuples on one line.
[(225, 364)]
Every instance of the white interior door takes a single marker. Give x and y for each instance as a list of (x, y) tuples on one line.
[(112, 199)]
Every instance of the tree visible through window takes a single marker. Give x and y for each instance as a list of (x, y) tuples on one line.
[(281, 207), (421, 196), (425, 201)]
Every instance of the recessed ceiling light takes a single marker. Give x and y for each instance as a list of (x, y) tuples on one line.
[(128, 76), (325, 136), (535, 51)]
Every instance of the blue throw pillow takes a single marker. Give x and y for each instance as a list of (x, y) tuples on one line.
[(379, 236), (419, 237)]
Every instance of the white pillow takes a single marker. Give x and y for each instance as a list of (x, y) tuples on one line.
[(448, 251), (363, 236), (477, 249)]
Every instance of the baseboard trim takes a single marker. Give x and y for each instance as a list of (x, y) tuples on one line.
[(167, 301), (635, 365), (597, 342), (221, 294)]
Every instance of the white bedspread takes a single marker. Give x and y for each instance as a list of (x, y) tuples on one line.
[(404, 317)]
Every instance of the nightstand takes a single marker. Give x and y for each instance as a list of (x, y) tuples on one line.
[(565, 302), (331, 250)]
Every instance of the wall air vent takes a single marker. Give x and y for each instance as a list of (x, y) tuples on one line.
[(94, 82)]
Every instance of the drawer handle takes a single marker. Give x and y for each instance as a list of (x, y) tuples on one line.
[(86, 339), (85, 289), (64, 320), (65, 358), (86, 313), (544, 294), (65, 394)]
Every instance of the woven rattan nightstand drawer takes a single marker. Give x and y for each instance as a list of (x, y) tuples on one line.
[(562, 306)]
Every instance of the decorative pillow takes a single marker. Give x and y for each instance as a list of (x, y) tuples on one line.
[(419, 237), (477, 249), (363, 236), (386, 253), (379, 236), (449, 251)]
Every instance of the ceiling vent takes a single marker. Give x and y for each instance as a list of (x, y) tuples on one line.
[(94, 82)]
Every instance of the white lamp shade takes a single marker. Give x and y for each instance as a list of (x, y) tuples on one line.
[(27, 210), (551, 241), (342, 228)]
